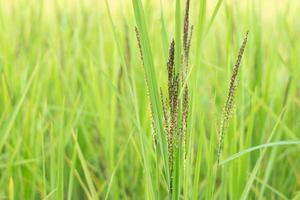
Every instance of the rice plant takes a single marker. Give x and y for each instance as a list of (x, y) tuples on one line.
[(174, 108), (147, 99)]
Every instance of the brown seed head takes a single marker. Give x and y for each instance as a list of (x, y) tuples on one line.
[(137, 33), (227, 112), (186, 27)]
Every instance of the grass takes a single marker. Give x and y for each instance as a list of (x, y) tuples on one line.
[(83, 116)]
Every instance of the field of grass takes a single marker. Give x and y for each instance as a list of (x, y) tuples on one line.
[(96, 102)]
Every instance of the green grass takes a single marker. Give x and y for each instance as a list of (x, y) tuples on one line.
[(78, 106)]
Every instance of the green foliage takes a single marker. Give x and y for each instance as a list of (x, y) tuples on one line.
[(78, 107)]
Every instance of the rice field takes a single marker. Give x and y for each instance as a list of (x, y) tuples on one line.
[(149, 99)]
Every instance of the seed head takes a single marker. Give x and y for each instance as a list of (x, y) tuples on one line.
[(227, 111)]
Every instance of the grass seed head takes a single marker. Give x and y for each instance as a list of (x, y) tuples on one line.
[(171, 68), (175, 108), (185, 105), (186, 27), (137, 33), (228, 108), (154, 133)]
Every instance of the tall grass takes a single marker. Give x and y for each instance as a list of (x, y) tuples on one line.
[(82, 116)]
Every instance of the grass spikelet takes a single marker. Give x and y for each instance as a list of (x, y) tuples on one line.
[(137, 33), (171, 68), (165, 116), (227, 111), (187, 37), (154, 134), (173, 99), (186, 28), (189, 43), (170, 111), (185, 117)]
